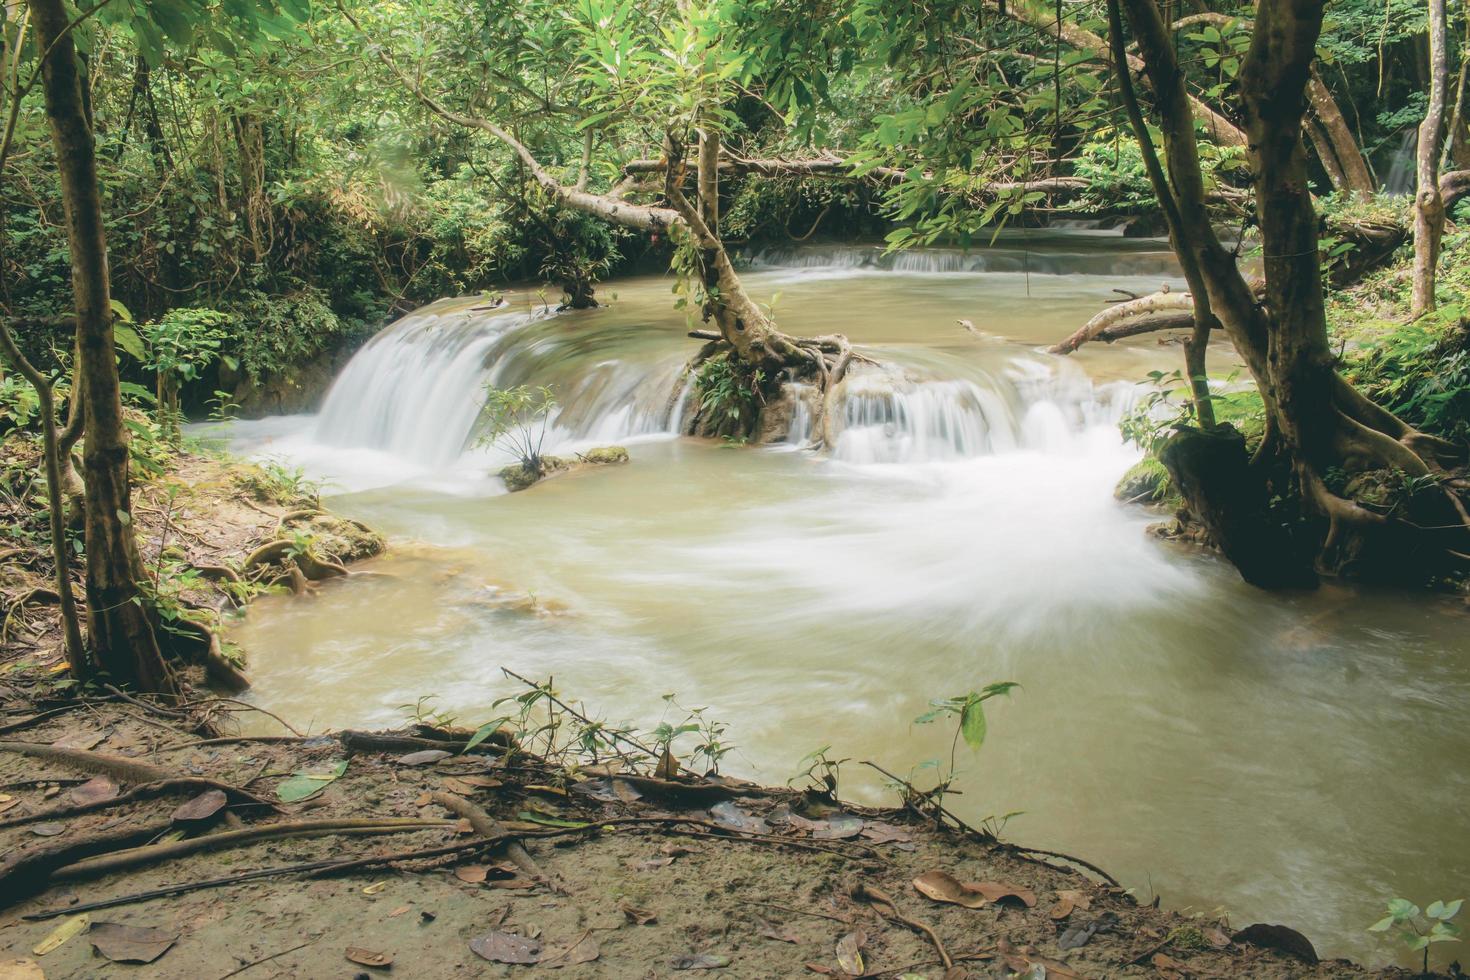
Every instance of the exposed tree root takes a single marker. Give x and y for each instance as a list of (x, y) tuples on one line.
[(488, 827), (123, 770)]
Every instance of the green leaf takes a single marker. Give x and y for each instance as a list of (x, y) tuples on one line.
[(120, 311), (304, 785), (972, 725), (1402, 909), (483, 732), (532, 817), (1441, 910), (127, 338), (1382, 925)]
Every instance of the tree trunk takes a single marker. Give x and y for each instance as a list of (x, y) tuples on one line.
[(1350, 161), (120, 627), (1428, 204)]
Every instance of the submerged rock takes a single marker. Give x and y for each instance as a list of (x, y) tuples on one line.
[(519, 476)]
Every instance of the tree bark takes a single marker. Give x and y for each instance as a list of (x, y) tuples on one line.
[(120, 627), (1350, 161), (1429, 208)]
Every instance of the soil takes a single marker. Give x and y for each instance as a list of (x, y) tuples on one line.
[(623, 873)]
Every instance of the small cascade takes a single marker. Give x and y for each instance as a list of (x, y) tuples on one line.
[(416, 389), (1401, 175), (1120, 262), (890, 416)]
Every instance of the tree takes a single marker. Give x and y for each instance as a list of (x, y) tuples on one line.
[(120, 629), (1429, 208), (1318, 427)]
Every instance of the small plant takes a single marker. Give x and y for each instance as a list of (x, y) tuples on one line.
[(423, 712), (270, 480), (727, 394), (222, 407), (1420, 930), (711, 747), (514, 421), (821, 772), (968, 712), (179, 345)]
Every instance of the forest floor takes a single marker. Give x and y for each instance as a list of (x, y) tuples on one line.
[(128, 834)]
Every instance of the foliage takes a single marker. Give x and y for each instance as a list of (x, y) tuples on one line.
[(184, 341), (1419, 930), (710, 744), (514, 421), (729, 392), (968, 712)]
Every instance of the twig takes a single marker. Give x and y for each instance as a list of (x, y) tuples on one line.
[(233, 740), (488, 827), (147, 791), (818, 915), (266, 959), (611, 733), (1023, 851), (939, 807), (16, 726)]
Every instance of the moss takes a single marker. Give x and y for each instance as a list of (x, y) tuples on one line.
[(1145, 482), (519, 476), (605, 455)]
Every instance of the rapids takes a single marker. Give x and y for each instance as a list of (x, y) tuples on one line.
[(1295, 758)]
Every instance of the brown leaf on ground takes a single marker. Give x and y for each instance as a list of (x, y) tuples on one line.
[(201, 807), (885, 833), (732, 817), (1217, 938), (667, 768), (840, 826), (459, 786), (999, 891), (1169, 966), (850, 952), (480, 782), (6, 802), (424, 799), (423, 758), (368, 957), (472, 874), (79, 740), (675, 850), (584, 950), (1067, 900), (1280, 938), (50, 829), (637, 916), (941, 886), (771, 931), (506, 947), (130, 944), (398, 911), (700, 961), (95, 790)]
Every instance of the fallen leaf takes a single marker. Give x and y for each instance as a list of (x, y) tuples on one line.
[(480, 782), (123, 943), (304, 785), (674, 850), (637, 916), (458, 786), (650, 864), (551, 821), (944, 887), (996, 891), (201, 807), (772, 931), (512, 884), (732, 817), (1168, 963), (473, 874), (6, 804), (1068, 900), (463, 826), (424, 799), (584, 950), (80, 740), (542, 788), (368, 957), (506, 947), (398, 911), (375, 887), (885, 833), (850, 951), (424, 758), (21, 970), (95, 790), (68, 928), (1081, 933), (1280, 938), (1217, 938), (667, 768), (700, 961), (50, 829), (842, 826), (608, 790)]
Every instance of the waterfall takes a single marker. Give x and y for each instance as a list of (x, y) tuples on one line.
[(1120, 262), (416, 389), (1401, 171)]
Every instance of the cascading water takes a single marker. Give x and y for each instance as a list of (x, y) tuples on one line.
[(1401, 177), (936, 261)]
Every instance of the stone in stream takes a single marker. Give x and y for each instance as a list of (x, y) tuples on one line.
[(519, 476)]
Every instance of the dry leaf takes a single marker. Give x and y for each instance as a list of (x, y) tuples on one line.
[(1068, 900), (368, 957), (480, 782), (944, 887), (95, 790), (506, 947), (375, 887), (700, 961), (772, 931), (130, 944), (398, 911), (996, 891), (850, 951), (885, 833), (21, 970), (80, 740), (424, 799), (459, 786), (68, 928), (201, 807), (637, 916), (584, 950), (472, 874), (423, 758), (50, 829), (839, 827), (667, 768), (732, 817), (6, 804), (1217, 938)]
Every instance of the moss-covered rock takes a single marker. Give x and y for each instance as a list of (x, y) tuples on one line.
[(343, 539), (1145, 482), (605, 455), (519, 476)]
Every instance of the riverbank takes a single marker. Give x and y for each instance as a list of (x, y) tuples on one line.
[(351, 852)]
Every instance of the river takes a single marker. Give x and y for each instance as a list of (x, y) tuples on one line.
[(1286, 758)]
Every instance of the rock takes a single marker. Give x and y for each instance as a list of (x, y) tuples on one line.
[(605, 455), (342, 539), (519, 476), (1146, 481)]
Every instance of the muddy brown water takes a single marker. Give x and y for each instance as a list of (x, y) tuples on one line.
[(1293, 758)]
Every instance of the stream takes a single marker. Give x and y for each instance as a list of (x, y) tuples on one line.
[(1286, 758)]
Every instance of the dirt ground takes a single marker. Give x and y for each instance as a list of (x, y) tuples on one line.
[(595, 872)]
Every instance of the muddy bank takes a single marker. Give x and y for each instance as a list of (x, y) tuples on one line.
[(620, 875)]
